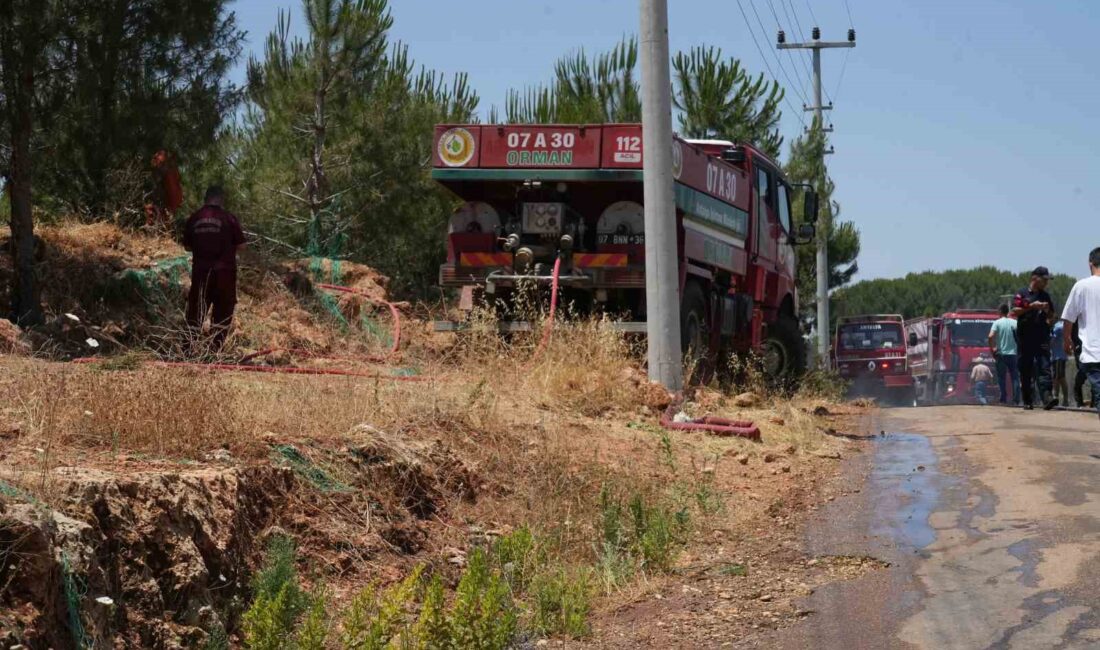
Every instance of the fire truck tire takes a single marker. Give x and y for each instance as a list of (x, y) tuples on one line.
[(784, 350), (693, 323)]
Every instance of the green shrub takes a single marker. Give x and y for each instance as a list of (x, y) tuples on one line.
[(377, 617), (278, 599), (432, 630), (562, 602), (482, 616), (518, 556)]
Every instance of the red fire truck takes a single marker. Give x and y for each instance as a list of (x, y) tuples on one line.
[(870, 352), (943, 350), (534, 194)]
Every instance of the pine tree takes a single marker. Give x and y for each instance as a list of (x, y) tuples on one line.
[(26, 27), (805, 164), (332, 154), (717, 99), (132, 77), (583, 91)]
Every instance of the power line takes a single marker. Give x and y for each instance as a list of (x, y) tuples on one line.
[(840, 78), (764, 30), (797, 71), (801, 33), (808, 6), (764, 58), (851, 23)]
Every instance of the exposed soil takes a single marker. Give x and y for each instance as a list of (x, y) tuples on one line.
[(147, 535)]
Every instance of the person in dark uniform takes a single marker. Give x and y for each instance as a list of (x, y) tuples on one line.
[(213, 235), (1034, 311), (1080, 376)]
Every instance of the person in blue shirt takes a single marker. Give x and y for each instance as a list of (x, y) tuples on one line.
[(1058, 361), (1002, 342)]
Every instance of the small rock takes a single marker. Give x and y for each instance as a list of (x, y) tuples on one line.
[(746, 400), (786, 469), (820, 411), (766, 598), (920, 468), (789, 450), (220, 455), (725, 595), (769, 457), (775, 419), (834, 455), (742, 458), (681, 417), (542, 642)]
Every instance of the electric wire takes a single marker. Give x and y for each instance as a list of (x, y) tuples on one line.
[(798, 89), (806, 83), (801, 34), (768, 65)]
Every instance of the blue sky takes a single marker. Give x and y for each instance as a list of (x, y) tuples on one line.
[(965, 131)]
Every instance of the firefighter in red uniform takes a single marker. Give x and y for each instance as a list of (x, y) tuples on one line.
[(167, 191), (213, 235)]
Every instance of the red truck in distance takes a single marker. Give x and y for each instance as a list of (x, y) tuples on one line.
[(944, 349), (870, 352), (535, 194)]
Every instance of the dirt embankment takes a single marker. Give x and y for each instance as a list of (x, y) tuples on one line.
[(155, 556), (107, 290), (135, 501)]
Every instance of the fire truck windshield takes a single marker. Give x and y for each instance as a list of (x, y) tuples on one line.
[(969, 332), (870, 336)]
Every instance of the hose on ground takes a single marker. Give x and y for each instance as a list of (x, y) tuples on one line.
[(709, 424)]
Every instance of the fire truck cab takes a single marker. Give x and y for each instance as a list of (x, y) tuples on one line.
[(870, 352), (943, 351)]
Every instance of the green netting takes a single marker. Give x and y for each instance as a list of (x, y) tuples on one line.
[(305, 468), (332, 249), (75, 590), (12, 492), (161, 282)]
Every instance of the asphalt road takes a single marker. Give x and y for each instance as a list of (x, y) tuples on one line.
[(990, 519)]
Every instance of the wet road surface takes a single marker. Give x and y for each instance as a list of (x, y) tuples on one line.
[(990, 519)]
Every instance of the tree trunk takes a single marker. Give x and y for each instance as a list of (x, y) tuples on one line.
[(19, 69)]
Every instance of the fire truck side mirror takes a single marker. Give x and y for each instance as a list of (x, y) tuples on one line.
[(912, 339), (809, 207), (806, 233)]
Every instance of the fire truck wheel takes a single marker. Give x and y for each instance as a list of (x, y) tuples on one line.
[(784, 350), (693, 324)]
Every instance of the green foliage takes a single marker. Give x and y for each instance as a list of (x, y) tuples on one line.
[(216, 639), (482, 615), (278, 599), (717, 99), (519, 557), (313, 631), (138, 76), (805, 164), (332, 152), (432, 630), (935, 292), (375, 617), (583, 91), (562, 601), (638, 536)]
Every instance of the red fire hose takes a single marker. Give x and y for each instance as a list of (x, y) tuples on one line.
[(710, 424)]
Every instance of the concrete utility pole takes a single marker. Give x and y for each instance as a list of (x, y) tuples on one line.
[(822, 231), (662, 275)]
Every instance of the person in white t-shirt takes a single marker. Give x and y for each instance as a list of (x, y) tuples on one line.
[(1083, 307)]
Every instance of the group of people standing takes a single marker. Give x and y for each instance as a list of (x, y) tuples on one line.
[(1032, 345)]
